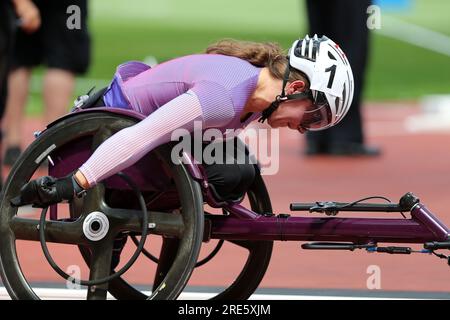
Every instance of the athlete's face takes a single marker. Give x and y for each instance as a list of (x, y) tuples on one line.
[(290, 113)]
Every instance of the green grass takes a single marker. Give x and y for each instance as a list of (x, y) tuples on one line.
[(432, 14), (171, 28), (402, 71)]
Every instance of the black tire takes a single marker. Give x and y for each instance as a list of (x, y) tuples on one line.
[(58, 135), (253, 271), (260, 252)]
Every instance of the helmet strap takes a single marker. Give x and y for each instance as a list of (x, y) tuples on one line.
[(283, 97)]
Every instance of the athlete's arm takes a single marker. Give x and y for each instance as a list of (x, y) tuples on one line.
[(207, 102), (127, 146)]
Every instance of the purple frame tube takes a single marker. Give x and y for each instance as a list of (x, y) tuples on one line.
[(242, 225)]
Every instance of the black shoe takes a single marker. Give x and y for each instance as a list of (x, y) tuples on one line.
[(119, 244), (353, 149), (11, 155), (313, 149)]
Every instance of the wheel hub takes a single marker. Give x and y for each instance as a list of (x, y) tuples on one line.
[(96, 226)]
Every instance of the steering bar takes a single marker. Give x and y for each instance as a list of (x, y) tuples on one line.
[(406, 203)]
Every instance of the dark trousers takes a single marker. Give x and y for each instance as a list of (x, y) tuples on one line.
[(233, 174), (231, 180), (343, 21), (7, 28)]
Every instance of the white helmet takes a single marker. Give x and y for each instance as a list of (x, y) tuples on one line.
[(331, 82)]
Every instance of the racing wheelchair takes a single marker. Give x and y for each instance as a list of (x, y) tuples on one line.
[(164, 198)]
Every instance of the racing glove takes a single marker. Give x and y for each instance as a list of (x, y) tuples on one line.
[(48, 190)]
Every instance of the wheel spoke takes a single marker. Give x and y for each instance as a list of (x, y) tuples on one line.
[(161, 223), (55, 231), (168, 253), (93, 199), (100, 267)]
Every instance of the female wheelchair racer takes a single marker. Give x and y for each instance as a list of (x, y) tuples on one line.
[(234, 83), (230, 86)]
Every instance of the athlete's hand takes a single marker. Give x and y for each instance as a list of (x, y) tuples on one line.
[(44, 192), (28, 13)]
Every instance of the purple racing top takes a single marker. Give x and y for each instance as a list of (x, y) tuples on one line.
[(206, 87)]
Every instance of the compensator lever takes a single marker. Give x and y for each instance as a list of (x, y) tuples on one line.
[(370, 247), (335, 246), (329, 208), (394, 250)]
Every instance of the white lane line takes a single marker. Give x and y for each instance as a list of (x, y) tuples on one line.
[(415, 35), (73, 294)]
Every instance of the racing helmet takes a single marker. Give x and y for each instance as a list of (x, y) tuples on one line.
[(331, 82)]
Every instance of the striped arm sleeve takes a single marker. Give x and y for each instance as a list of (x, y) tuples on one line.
[(216, 102), (129, 145)]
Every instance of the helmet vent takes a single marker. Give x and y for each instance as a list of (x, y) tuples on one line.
[(344, 92), (330, 55), (308, 48), (338, 106)]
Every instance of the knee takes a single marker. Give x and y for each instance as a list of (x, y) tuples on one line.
[(232, 181), (247, 174)]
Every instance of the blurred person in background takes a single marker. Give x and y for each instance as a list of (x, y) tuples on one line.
[(62, 48), (30, 19), (345, 22)]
